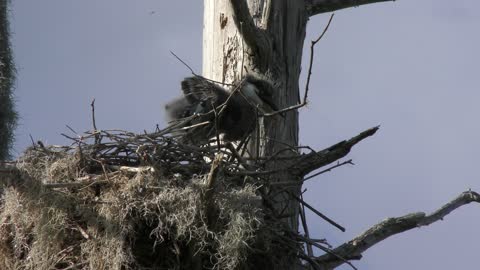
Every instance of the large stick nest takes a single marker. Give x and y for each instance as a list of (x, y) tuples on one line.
[(117, 200)]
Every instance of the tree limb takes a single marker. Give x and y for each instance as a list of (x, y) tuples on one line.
[(315, 160), (354, 248), (256, 38), (315, 7)]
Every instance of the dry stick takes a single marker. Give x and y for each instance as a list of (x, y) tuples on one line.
[(244, 146), (236, 155), (216, 127), (315, 160), (34, 145), (195, 74), (72, 130), (312, 49), (329, 251), (327, 219), (325, 249), (97, 136), (183, 62), (237, 88), (236, 150), (305, 227), (257, 146), (295, 183), (324, 156), (329, 169)]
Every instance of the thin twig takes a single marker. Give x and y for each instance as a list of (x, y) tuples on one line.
[(195, 74), (72, 130), (183, 62), (327, 219), (34, 145), (217, 135), (97, 137), (310, 66), (305, 228), (243, 50), (312, 52), (329, 169)]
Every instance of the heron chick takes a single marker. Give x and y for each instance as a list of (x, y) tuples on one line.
[(222, 112)]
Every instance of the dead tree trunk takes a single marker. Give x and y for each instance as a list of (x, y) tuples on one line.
[(265, 37)]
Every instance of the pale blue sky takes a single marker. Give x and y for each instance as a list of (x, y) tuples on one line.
[(411, 66)]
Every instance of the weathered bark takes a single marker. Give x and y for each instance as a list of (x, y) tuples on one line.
[(267, 37), (271, 44), (354, 248)]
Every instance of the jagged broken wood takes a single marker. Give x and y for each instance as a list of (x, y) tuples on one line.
[(302, 165), (314, 160), (354, 248)]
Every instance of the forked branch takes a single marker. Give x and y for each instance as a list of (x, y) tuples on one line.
[(354, 248), (255, 37)]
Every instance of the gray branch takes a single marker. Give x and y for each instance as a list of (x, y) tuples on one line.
[(391, 226), (256, 38), (315, 7), (312, 161)]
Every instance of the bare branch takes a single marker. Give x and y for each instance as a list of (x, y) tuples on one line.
[(310, 66), (185, 64), (327, 219), (312, 52), (195, 74), (304, 164), (315, 7), (391, 226), (303, 218), (464, 198), (94, 123), (315, 160), (329, 169)]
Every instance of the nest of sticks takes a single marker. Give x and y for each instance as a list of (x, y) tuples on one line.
[(118, 200)]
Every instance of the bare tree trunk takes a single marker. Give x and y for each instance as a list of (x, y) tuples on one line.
[(266, 37)]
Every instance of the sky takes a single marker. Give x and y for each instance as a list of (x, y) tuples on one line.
[(409, 66)]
